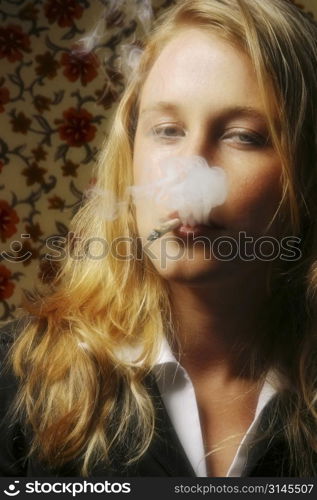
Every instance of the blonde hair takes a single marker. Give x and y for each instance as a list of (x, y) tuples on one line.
[(78, 394)]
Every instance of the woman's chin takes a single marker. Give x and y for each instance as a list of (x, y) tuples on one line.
[(174, 259), (188, 270)]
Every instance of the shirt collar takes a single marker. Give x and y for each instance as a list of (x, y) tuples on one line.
[(167, 367)]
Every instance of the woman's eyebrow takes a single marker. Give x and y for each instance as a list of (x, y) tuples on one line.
[(243, 111), (160, 106), (228, 112)]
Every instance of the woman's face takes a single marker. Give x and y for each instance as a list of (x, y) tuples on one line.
[(201, 97)]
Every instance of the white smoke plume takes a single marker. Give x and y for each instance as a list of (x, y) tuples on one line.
[(186, 185), (129, 60), (144, 12), (90, 41), (141, 9), (108, 205), (133, 9)]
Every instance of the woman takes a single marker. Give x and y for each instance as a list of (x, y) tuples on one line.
[(178, 364)]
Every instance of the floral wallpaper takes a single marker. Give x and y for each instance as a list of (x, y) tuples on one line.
[(56, 103)]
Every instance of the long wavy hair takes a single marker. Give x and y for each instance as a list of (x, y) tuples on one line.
[(78, 394)]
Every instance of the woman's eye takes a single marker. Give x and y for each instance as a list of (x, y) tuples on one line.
[(246, 138), (168, 132)]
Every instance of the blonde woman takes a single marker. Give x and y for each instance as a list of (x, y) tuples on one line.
[(163, 366)]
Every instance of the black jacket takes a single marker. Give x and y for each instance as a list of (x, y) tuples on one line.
[(165, 456)]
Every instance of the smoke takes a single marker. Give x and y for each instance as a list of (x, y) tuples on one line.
[(129, 60), (90, 41), (187, 185), (144, 12), (141, 9), (108, 206), (135, 9)]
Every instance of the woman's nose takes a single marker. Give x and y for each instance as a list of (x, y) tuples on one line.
[(199, 143)]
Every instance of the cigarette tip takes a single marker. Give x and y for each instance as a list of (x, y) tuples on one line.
[(154, 235)]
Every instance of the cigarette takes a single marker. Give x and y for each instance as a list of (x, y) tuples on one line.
[(163, 228)]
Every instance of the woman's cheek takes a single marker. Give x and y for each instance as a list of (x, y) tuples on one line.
[(254, 197)]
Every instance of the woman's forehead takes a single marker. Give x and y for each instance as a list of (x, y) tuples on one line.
[(198, 66)]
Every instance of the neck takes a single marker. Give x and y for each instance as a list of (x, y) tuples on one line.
[(218, 328)]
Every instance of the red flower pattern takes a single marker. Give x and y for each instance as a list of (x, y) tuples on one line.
[(20, 123), (47, 66), (8, 220), (56, 203), (63, 12), (4, 97), (39, 153), (29, 12), (13, 42), (80, 65), (77, 128), (34, 231), (42, 103), (70, 168), (34, 174), (6, 285)]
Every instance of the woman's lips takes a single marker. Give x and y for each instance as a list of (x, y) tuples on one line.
[(196, 230)]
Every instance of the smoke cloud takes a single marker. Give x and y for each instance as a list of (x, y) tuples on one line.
[(135, 9), (186, 185)]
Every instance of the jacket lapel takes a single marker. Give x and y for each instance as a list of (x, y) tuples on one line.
[(168, 452), (274, 460), (166, 447)]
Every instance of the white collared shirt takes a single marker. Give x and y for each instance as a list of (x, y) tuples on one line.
[(179, 398)]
